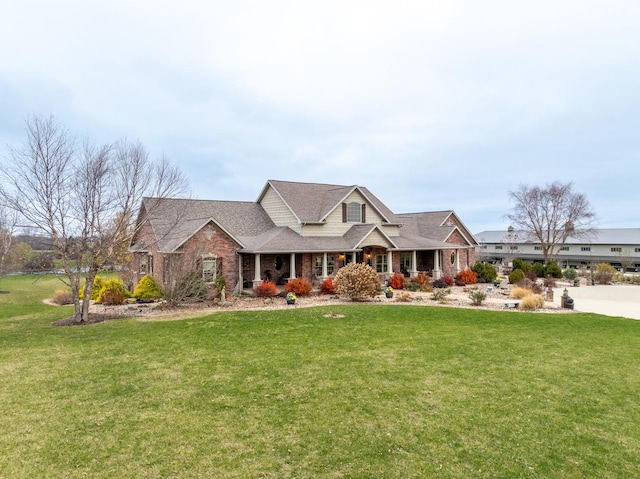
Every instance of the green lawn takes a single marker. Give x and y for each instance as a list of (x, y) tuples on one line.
[(388, 391)]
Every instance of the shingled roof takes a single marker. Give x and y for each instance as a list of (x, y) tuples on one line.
[(175, 220), (312, 202)]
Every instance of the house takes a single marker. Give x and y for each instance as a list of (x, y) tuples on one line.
[(619, 247), (294, 230)]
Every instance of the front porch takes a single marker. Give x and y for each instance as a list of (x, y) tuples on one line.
[(279, 268)]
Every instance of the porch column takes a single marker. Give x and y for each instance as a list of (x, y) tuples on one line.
[(256, 277), (238, 288), (324, 266), (414, 264), (457, 261), (389, 263), (436, 264), (292, 266)]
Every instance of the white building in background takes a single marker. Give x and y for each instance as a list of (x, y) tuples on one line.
[(618, 246)]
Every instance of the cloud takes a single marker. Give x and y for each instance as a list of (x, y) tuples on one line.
[(432, 105)]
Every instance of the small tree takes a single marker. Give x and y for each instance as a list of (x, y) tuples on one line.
[(83, 197), (356, 281)]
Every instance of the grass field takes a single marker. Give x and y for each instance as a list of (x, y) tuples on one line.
[(387, 391)]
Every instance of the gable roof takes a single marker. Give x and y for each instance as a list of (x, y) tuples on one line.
[(435, 225), (313, 202), (175, 220)]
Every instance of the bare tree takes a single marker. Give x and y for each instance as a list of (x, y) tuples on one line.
[(551, 214), (8, 222), (83, 196)]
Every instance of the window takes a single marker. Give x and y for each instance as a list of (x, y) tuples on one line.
[(354, 212), (637, 250), (381, 263), (405, 262), (537, 248), (319, 266), (331, 265), (513, 247), (564, 248), (498, 246), (585, 248), (209, 265), (146, 264), (616, 249)]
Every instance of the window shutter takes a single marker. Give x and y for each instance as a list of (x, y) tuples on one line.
[(364, 213), (344, 212)]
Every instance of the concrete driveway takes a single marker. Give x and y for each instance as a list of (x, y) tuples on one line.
[(612, 300)]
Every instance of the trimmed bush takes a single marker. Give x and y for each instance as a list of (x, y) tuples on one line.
[(98, 283), (113, 292), (266, 289), (552, 269), (539, 269), (327, 286), (485, 271), (299, 286), (356, 281), (447, 278), (397, 281), (522, 265), (516, 276), (440, 284), (147, 288), (570, 273), (467, 277)]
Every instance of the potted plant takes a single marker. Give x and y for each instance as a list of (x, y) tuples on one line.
[(291, 298), (388, 292)]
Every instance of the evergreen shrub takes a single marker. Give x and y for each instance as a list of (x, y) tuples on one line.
[(147, 288)]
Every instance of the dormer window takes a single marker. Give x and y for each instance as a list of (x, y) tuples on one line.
[(353, 212)]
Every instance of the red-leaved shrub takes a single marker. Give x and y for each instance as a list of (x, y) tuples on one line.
[(422, 278), (467, 277), (299, 286), (327, 286), (447, 278), (397, 281), (266, 289)]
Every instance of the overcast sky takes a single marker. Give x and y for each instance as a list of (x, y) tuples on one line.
[(432, 105)]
